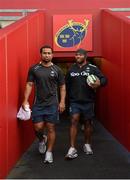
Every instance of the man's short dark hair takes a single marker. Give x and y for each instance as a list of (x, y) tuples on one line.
[(82, 51), (46, 46)]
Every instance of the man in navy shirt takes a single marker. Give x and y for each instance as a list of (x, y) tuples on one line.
[(82, 99), (46, 78)]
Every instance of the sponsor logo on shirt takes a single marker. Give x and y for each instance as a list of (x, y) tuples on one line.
[(83, 73)]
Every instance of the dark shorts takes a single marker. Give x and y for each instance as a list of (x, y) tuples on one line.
[(46, 114), (85, 109)]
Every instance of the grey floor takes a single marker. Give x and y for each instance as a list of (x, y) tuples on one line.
[(109, 161)]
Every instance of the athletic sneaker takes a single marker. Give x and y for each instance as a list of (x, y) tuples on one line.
[(72, 153), (87, 149), (48, 157), (42, 145)]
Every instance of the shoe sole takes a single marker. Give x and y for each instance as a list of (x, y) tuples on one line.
[(48, 162), (70, 157), (88, 153)]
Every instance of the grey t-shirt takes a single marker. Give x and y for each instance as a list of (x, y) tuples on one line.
[(46, 80)]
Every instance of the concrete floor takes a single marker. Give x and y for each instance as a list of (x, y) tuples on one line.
[(109, 161)]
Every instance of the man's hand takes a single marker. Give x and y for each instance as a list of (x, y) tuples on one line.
[(96, 84), (25, 104), (61, 107)]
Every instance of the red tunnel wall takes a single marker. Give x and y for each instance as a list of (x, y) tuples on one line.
[(115, 113), (19, 47)]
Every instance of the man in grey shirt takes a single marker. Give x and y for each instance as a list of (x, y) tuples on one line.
[(46, 78)]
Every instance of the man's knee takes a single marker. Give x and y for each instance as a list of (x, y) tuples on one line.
[(50, 127), (74, 122), (51, 130), (75, 119)]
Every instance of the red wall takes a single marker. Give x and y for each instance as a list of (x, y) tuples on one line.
[(127, 83), (58, 4), (19, 47), (115, 114)]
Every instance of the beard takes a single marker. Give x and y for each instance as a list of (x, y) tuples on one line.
[(46, 61), (81, 61)]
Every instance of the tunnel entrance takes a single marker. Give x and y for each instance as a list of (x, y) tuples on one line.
[(65, 62)]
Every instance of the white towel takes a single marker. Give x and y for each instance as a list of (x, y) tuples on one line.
[(24, 114)]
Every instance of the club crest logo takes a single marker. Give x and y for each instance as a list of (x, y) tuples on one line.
[(71, 34)]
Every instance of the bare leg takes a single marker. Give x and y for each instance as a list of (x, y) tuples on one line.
[(51, 136), (73, 129), (39, 128), (88, 132), (72, 152)]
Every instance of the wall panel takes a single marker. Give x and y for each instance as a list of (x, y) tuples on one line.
[(3, 110), (115, 45), (19, 49), (126, 86)]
